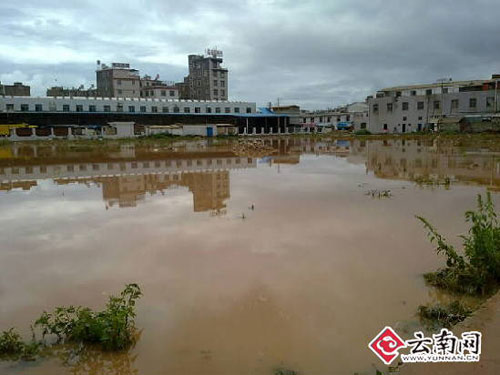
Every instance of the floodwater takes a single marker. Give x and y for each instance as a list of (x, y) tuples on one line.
[(303, 281)]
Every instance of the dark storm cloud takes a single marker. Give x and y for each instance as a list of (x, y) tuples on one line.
[(314, 53)]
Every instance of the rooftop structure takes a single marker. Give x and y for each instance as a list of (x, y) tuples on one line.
[(17, 89)]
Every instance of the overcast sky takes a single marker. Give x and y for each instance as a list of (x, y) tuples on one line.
[(316, 54)]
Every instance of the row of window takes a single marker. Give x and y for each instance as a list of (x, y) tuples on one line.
[(326, 119), (437, 104), (134, 165), (132, 109), (222, 83)]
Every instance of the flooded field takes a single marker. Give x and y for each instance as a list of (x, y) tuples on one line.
[(290, 256)]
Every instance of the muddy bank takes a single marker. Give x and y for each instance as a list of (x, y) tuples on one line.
[(486, 320)]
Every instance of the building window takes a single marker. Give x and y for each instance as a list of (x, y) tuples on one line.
[(92, 108), (9, 107), (187, 110), (216, 92), (445, 90), (237, 110), (172, 93), (490, 101), (65, 107), (437, 104), (176, 109), (107, 108), (197, 109), (420, 117), (165, 110), (222, 83), (163, 92), (79, 108), (389, 107), (119, 108), (38, 108), (404, 118), (428, 92), (420, 105), (209, 109), (154, 109), (227, 110), (215, 82), (472, 102), (405, 106), (217, 109), (249, 109), (119, 91), (147, 93), (133, 82), (375, 108), (215, 73), (119, 82), (131, 108), (143, 108), (454, 104), (385, 126), (223, 92), (413, 93)]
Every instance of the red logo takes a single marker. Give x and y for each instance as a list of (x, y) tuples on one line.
[(386, 345)]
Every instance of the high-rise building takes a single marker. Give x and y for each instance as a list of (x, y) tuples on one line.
[(118, 81), (207, 80)]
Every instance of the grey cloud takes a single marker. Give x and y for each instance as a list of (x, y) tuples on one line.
[(314, 53)]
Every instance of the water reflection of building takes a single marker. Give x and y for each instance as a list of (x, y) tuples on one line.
[(125, 183), (432, 160)]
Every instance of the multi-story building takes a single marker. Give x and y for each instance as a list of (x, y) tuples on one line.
[(118, 81), (404, 109), (207, 80), (17, 89), (154, 88)]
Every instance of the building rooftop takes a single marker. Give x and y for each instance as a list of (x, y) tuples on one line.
[(438, 84)]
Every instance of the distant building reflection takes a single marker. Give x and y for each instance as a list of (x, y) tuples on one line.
[(126, 183)]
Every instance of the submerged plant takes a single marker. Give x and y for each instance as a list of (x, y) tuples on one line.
[(478, 270), (112, 328), (439, 316), (12, 347)]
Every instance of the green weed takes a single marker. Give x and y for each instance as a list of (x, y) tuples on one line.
[(478, 270)]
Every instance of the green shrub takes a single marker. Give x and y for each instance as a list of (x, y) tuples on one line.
[(112, 329), (478, 271)]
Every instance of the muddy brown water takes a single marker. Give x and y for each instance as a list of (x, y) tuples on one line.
[(303, 281)]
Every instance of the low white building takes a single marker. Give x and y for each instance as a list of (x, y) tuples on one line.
[(125, 105)]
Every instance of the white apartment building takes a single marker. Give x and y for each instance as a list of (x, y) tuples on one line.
[(404, 109)]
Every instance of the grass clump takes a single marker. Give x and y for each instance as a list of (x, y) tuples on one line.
[(112, 328), (476, 272), (362, 132), (12, 347), (284, 371), (439, 316)]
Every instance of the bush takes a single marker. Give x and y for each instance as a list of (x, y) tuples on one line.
[(112, 329), (478, 272)]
